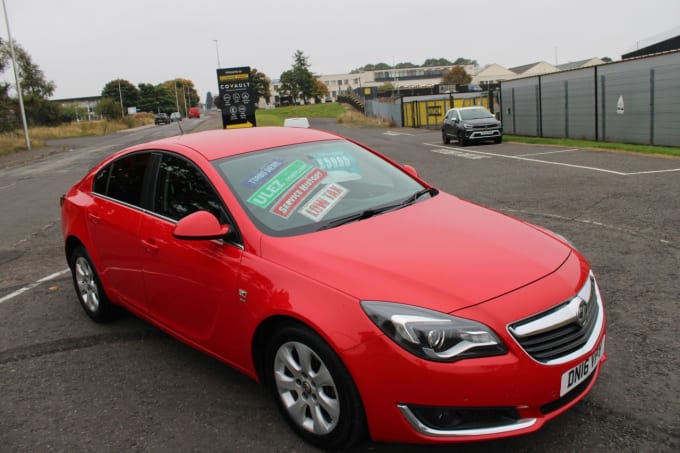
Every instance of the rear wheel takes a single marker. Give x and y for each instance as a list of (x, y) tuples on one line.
[(313, 389), (89, 288)]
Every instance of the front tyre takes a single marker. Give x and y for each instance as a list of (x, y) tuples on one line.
[(89, 288), (461, 139), (313, 389), (498, 139), (445, 138)]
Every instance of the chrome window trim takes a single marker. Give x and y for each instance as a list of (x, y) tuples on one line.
[(428, 431)]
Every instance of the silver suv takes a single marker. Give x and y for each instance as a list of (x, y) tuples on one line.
[(468, 124)]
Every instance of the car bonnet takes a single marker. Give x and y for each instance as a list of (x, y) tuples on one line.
[(443, 253)]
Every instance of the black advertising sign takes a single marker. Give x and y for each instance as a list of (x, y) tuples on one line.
[(236, 94)]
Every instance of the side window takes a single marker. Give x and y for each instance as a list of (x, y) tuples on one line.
[(122, 179), (182, 189)]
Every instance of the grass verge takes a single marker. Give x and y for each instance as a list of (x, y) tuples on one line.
[(572, 143), (275, 116), (12, 142)]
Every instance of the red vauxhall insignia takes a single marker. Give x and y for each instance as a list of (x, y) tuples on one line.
[(371, 303)]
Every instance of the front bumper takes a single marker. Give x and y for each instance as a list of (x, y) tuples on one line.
[(411, 400), (483, 134)]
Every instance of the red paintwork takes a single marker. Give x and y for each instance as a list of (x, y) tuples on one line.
[(444, 253)]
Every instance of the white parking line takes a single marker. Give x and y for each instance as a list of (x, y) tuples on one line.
[(561, 164), (33, 285), (549, 152)]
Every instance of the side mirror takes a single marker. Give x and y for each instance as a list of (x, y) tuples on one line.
[(410, 169), (199, 226)]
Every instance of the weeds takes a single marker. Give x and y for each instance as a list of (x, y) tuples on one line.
[(12, 142)]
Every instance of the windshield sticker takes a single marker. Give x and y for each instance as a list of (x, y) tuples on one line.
[(263, 174), (335, 160), (289, 202), (341, 176), (278, 183), (317, 208)]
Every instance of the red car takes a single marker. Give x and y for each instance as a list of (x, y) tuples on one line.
[(194, 113), (370, 302)]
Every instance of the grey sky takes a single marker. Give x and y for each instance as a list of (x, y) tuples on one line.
[(83, 44)]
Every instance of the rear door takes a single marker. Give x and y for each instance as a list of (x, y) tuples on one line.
[(114, 219)]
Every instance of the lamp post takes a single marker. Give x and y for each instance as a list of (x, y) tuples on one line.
[(176, 97), (18, 81), (120, 94), (217, 50)]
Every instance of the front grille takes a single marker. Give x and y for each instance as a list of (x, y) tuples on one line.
[(561, 339)]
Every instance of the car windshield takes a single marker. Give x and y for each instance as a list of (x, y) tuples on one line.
[(477, 113), (313, 186)]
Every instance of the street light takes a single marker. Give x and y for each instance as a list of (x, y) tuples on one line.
[(120, 95), (18, 81), (217, 50)]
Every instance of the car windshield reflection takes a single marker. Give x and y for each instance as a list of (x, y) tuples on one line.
[(308, 187)]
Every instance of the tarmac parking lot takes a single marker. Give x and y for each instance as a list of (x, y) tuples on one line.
[(68, 384)]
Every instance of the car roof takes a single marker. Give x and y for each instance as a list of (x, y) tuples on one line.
[(216, 144)]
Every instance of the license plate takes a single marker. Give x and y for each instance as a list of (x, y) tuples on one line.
[(486, 133), (580, 372)]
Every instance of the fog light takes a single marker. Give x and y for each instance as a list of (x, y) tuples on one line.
[(461, 418)]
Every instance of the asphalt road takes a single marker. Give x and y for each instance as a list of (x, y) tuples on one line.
[(67, 384)]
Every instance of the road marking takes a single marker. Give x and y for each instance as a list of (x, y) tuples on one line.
[(458, 153), (561, 164), (550, 152), (33, 285), (584, 221), (391, 133)]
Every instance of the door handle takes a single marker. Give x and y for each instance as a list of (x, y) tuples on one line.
[(94, 218), (150, 246)]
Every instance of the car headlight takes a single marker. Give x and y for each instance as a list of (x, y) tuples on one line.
[(467, 126), (432, 335)]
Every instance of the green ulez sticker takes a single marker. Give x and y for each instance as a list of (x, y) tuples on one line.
[(279, 183)]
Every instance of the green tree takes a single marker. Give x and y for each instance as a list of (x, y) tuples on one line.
[(9, 107), (456, 76), (405, 65), (320, 90), (120, 88), (465, 61), (155, 98), (436, 62), (108, 108), (261, 86), (606, 59), (386, 88), (33, 80), (35, 90), (183, 94), (299, 80)]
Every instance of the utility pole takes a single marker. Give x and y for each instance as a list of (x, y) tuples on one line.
[(18, 81), (217, 49), (120, 95)]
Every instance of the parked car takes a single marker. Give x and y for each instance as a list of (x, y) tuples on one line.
[(176, 116), (194, 112), (469, 124), (367, 300), (161, 118)]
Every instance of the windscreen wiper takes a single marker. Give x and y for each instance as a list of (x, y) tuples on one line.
[(375, 211)]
